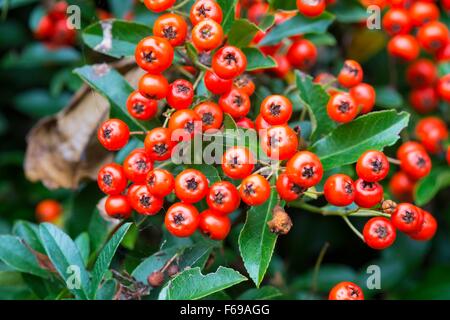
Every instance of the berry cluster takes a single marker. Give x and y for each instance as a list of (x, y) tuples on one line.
[(413, 26), (53, 29)]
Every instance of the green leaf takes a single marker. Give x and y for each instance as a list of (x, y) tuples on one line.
[(321, 39), (115, 38), (29, 232), (82, 242), (443, 68), (267, 22), (105, 257), (349, 11), (263, 293), (98, 230), (346, 143), (256, 242), (299, 24), (66, 258), (191, 284), (107, 290), (15, 3), (388, 97), (257, 60), (228, 9), (15, 254), (315, 99), (428, 187), (39, 103), (283, 4), (110, 83), (242, 33)]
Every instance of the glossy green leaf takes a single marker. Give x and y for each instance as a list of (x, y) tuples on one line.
[(321, 39), (29, 232), (66, 258), (228, 9), (283, 4), (388, 97), (105, 257), (263, 293), (299, 24), (349, 11), (110, 83), (256, 242), (428, 187), (115, 38), (155, 262), (315, 99), (82, 242), (257, 60), (346, 143), (242, 33), (180, 288), (14, 253)]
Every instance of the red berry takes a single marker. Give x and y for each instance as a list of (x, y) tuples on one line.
[(255, 190), (339, 190), (416, 164), (407, 147), (181, 94), (407, 218), (172, 27), (287, 189), (404, 47), (205, 9), (401, 186), (223, 197), (364, 96), (421, 73), (229, 62), (158, 144), (305, 169), (346, 291), (118, 207), (159, 5), (276, 109), (113, 134), (182, 219), (210, 114), (191, 186), (342, 107), (184, 124), (154, 54), (143, 201), (111, 179), (140, 107), (433, 36), (207, 35), (235, 102), (311, 8), (302, 54), (422, 12), (238, 162), (279, 142), (160, 182), (217, 85), (428, 228), (153, 86), (368, 194), (379, 233), (48, 210), (137, 165), (245, 84), (443, 87), (397, 21), (372, 166), (432, 132), (351, 74), (214, 224)]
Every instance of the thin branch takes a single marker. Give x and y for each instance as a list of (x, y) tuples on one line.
[(322, 253), (351, 226)]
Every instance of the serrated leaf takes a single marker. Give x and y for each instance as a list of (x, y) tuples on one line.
[(257, 60), (105, 257), (242, 33), (256, 242), (346, 143), (115, 38), (110, 83), (182, 288), (15, 254), (299, 24), (66, 258), (428, 187), (315, 99), (228, 9)]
